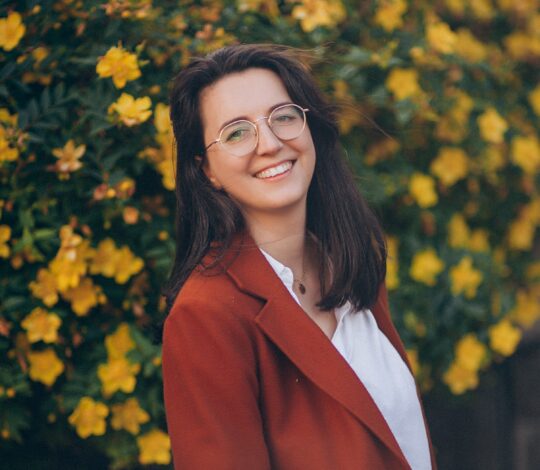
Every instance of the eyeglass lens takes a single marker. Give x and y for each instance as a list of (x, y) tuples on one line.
[(240, 137)]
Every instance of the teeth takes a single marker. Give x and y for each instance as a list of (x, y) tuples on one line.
[(274, 171)]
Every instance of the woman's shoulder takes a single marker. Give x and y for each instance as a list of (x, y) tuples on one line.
[(210, 291)]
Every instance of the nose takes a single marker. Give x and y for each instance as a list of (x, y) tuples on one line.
[(268, 143)]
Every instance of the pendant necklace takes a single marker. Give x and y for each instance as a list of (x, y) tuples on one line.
[(301, 286), (300, 281)]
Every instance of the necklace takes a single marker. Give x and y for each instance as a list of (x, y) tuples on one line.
[(301, 281), (301, 286)]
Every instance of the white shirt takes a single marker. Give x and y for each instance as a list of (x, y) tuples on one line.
[(381, 370)]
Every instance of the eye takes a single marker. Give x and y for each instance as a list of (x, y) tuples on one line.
[(286, 115), (237, 133)]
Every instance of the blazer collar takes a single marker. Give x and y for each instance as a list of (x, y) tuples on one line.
[(284, 322)]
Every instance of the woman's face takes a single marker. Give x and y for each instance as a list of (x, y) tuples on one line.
[(276, 175)]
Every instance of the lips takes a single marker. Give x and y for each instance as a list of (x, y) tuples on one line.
[(275, 170)]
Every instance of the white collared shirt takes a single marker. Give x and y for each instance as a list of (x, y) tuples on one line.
[(381, 370)]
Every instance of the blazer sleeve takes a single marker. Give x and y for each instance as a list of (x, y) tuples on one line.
[(211, 389)]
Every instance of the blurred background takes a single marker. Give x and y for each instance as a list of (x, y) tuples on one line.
[(440, 118)]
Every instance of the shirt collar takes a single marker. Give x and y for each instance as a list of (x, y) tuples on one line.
[(284, 273), (286, 276)]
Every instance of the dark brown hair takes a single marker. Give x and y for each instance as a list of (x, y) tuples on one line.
[(348, 232)]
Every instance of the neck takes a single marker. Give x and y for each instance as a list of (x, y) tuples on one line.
[(282, 237)]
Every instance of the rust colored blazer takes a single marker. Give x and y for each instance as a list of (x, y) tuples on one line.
[(252, 383)]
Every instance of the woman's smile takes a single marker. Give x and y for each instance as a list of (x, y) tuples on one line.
[(274, 172)]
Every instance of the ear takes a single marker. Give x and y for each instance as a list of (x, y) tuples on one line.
[(203, 163)]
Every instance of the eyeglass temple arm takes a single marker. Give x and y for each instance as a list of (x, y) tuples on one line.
[(211, 143)]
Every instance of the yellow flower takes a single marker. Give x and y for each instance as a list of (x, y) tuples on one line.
[(441, 38), (162, 120), (127, 264), (68, 157), (482, 9), (45, 288), (389, 14), (492, 160), (532, 210), (533, 272), (6, 118), (314, 13), (460, 379), (7, 153), (470, 353), (112, 262), (45, 366), (458, 231), (465, 278), (131, 111), (41, 325), (40, 54), (521, 234), (380, 151), (84, 296), (521, 44), (130, 215), (455, 124), (119, 64), (129, 416), (70, 263), (120, 342), (118, 374), (165, 165), (534, 99), (468, 47), (422, 189), (412, 355), (479, 241), (104, 258), (504, 337), (492, 126), (392, 266), (403, 83), (426, 266), (89, 418), (526, 153), (163, 158), (457, 7), (527, 309), (5, 235), (451, 165), (154, 447), (267, 7), (12, 30), (414, 324)]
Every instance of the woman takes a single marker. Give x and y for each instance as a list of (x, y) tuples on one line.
[(278, 351)]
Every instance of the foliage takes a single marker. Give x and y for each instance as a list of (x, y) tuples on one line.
[(440, 114)]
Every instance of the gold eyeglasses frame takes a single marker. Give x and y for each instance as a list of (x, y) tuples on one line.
[(255, 126)]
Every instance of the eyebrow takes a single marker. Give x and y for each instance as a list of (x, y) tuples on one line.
[(246, 118)]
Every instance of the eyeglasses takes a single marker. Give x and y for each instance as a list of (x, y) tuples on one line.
[(241, 137)]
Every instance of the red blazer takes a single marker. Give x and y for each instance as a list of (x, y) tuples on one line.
[(252, 383)]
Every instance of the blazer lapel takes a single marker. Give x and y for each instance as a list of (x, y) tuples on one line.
[(285, 323)]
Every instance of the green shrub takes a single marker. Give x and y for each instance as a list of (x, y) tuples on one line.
[(440, 119)]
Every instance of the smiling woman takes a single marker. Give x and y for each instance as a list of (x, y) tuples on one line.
[(259, 169), (278, 350)]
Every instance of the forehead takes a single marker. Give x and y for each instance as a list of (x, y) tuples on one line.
[(250, 93)]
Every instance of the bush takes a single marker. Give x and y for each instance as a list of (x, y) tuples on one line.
[(440, 118)]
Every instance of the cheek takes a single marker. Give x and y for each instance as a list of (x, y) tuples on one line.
[(226, 170)]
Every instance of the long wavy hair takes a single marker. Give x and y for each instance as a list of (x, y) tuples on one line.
[(349, 234)]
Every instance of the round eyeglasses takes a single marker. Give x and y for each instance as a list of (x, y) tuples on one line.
[(241, 137)]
